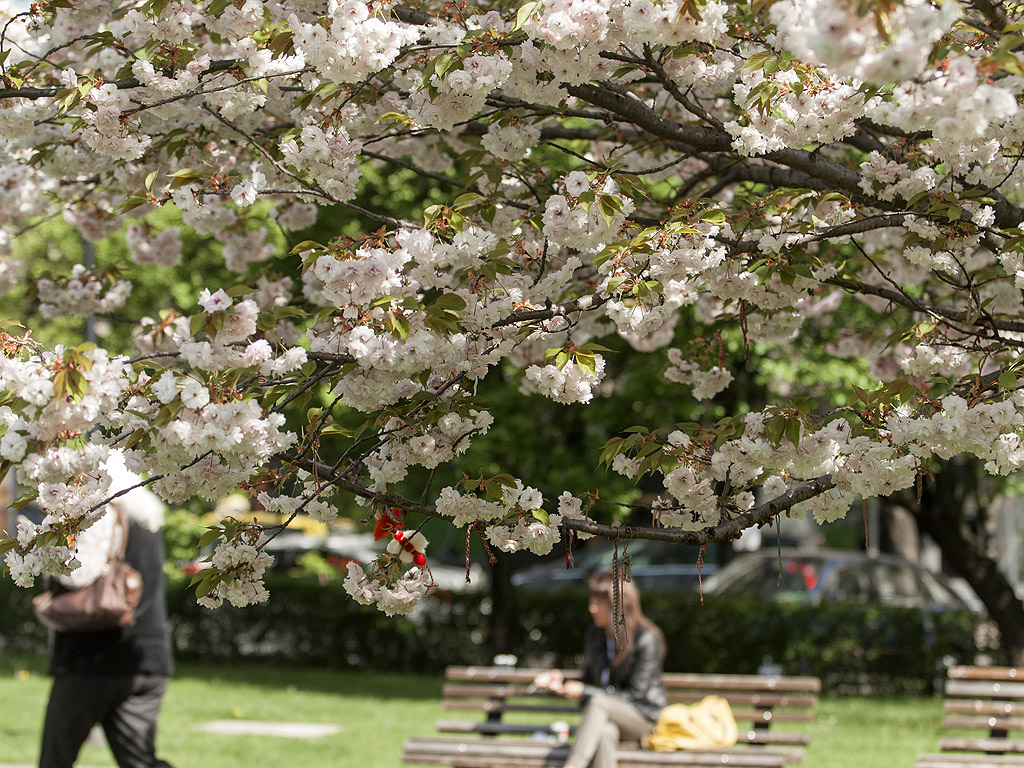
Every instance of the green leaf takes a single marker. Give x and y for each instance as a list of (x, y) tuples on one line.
[(609, 206), (208, 585), (611, 449), (466, 198), (504, 480), (793, 427), (907, 393), (523, 14), (450, 301), (1008, 380), (211, 535), (586, 363), (541, 515), (398, 325), (336, 429), (305, 245)]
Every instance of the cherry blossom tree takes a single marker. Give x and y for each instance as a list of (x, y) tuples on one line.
[(709, 182)]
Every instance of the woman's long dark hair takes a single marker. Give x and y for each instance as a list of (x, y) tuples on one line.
[(630, 617)]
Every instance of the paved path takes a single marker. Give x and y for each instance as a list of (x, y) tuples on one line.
[(262, 728), (248, 728)]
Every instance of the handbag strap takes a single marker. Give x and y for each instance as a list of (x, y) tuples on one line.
[(117, 553)]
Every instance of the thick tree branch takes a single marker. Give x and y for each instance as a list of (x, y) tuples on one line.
[(903, 300), (994, 12), (724, 531), (583, 304)]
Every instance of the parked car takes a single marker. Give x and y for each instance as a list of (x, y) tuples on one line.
[(654, 565), (816, 576)]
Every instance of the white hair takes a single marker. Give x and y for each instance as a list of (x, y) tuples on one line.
[(140, 504)]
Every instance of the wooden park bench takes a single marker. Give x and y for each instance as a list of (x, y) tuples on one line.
[(988, 699), (514, 722)]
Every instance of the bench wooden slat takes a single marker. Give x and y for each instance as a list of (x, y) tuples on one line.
[(965, 706), (525, 675), (497, 689), (968, 761), (743, 682), (763, 700), (986, 673), (984, 689), (990, 722), (486, 753), (749, 736), (498, 706), (989, 746)]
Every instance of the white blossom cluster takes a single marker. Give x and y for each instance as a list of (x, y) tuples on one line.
[(704, 384), (242, 566), (10, 272), (461, 93), (349, 43), (510, 523), (853, 46), (69, 507), (403, 447), (574, 224), (82, 294), (395, 599), (370, 274), (45, 414), (328, 155), (107, 134), (568, 384), (162, 249), (824, 114)]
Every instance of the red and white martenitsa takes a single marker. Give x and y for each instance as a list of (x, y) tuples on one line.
[(409, 547)]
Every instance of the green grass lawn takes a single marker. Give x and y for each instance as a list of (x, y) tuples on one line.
[(376, 713)]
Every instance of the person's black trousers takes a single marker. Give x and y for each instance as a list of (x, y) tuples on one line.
[(126, 707)]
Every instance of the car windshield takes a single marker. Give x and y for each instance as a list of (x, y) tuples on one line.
[(772, 575)]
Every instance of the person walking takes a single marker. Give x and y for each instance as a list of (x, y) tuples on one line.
[(621, 688), (116, 678)]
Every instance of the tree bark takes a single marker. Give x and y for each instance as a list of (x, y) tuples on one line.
[(900, 535), (504, 618), (940, 513)]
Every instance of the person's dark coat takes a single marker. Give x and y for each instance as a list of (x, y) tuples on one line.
[(141, 649), (638, 679)]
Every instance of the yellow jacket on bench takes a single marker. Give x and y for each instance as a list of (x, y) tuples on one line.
[(707, 724)]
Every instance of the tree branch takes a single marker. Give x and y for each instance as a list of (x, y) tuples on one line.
[(725, 531)]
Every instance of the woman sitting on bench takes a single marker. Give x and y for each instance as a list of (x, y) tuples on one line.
[(621, 688)]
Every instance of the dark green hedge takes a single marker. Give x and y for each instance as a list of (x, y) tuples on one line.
[(850, 647)]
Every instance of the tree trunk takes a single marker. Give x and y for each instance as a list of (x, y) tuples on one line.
[(504, 619), (940, 513), (899, 533)]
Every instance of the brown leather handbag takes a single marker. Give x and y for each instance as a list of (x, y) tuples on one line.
[(107, 603)]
